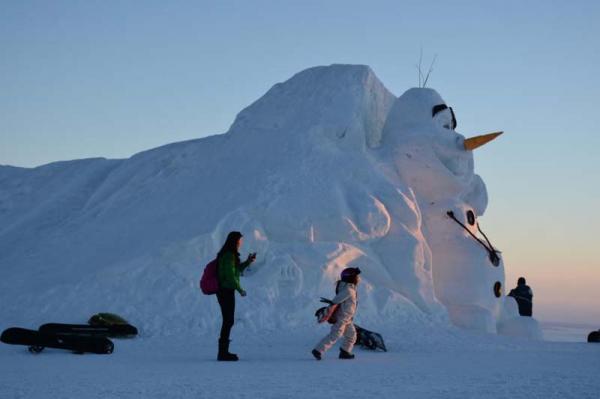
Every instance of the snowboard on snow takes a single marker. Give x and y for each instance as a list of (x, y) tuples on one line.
[(113, 331), (369, 339), (37, 341)]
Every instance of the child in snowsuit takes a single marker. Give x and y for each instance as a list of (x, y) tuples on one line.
[(346, 299)]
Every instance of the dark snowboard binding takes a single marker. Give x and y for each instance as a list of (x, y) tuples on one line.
[(224, 354), (35, 349)]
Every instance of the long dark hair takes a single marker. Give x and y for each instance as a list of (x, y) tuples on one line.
[(231, 245)]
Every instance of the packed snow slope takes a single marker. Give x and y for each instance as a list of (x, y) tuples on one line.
[(318, 174)]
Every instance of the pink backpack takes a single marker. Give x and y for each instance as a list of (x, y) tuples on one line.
[(209, 283)]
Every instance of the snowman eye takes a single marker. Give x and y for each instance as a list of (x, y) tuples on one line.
[(441, 107), (454, 123), (438, 108), (446, 126)]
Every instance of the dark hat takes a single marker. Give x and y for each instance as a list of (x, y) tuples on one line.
[(349, 274), (521, 281)]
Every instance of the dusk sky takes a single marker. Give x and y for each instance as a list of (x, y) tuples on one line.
[(108, 79)]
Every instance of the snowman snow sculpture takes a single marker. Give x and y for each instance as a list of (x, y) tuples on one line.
[(436, 162)]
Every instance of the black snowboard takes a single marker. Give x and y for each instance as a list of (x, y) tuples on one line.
[(37, 341), (114, 331), (369, 339)]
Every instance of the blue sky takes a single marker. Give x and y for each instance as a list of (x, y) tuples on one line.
[(111, 78)]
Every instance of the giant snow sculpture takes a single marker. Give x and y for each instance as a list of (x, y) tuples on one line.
[(326, 170)]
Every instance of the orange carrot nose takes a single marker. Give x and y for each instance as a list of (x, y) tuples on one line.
[(478, 141)]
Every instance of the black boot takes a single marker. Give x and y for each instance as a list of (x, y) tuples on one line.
[(345, 355), (224, 354), (316, 354)]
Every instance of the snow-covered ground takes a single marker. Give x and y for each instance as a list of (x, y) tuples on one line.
[(566, 332), (275, 366)]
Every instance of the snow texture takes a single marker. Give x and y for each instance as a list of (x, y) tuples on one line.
[(326, 170), (456, 365)]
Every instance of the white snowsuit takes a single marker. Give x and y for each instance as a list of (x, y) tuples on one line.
[(347, 300)]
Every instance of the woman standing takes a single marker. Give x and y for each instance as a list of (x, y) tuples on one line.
[(229, 270)]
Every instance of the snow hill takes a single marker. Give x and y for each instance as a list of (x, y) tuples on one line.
[(323, 172)]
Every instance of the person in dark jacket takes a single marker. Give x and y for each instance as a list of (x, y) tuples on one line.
[(229, 269), (524, 297)]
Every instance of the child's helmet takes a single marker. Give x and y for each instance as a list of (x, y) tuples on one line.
[(349, 274)]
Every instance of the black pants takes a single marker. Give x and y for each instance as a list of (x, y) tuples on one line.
[(226, 298)]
